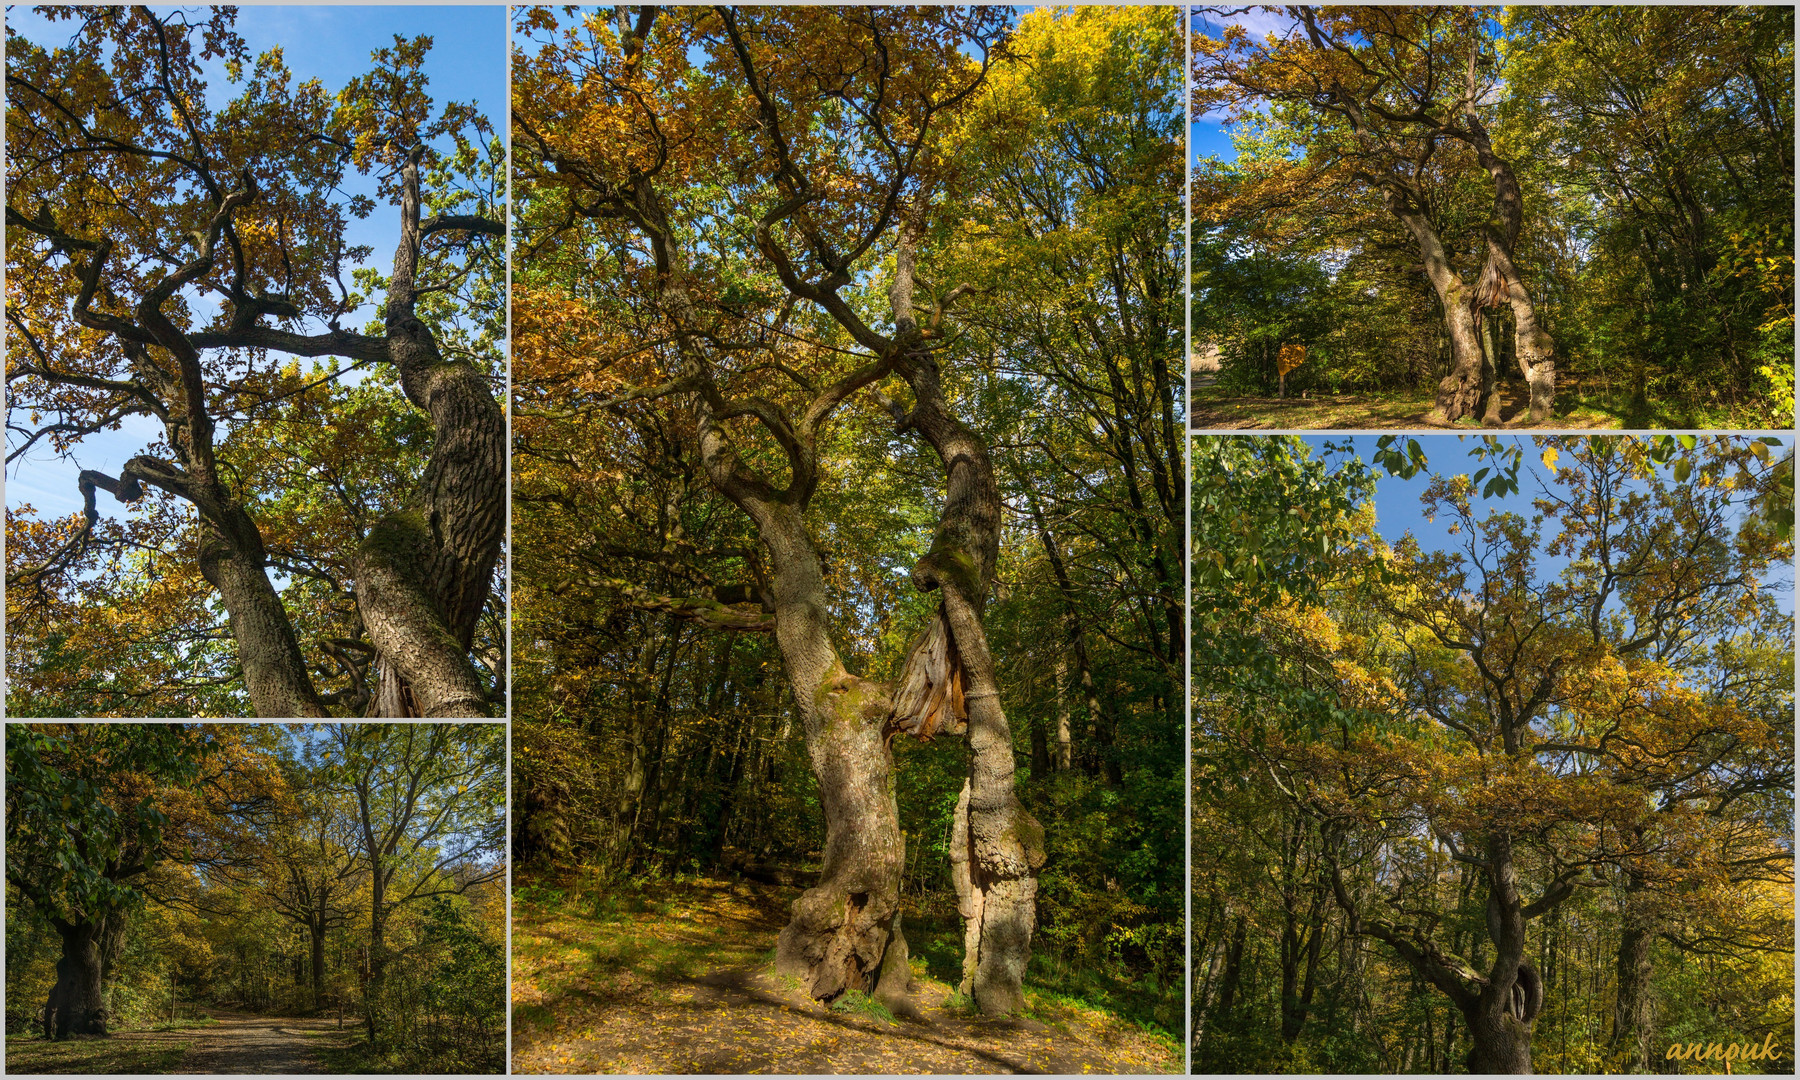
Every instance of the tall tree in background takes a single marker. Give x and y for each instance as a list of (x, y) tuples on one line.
[(166, 259), (1681, 125), (429, 817), (313, 869)]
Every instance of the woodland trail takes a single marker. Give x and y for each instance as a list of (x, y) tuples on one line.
[(247, 1043), (240, 1043), (686, 987)]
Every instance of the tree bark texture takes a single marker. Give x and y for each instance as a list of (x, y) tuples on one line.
[(1633, 1008), (75, 1006), (843, 933), (424, 573), (421, 575)]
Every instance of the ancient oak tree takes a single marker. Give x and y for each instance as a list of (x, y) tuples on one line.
[(172, 251), (1396, 102), (731, 213)]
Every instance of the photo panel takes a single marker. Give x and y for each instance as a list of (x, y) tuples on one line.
[(256, 897), (1493, 753), (1471, 217), (256, 324), (847, 511)]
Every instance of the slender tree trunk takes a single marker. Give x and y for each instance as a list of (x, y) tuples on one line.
[(1633, 1013), (1040, 734), (1234, 964), (1065, 743)]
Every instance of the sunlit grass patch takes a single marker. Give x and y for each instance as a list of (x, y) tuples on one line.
[(27, 1054)]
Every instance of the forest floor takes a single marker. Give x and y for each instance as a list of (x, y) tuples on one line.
[(683, 983), (235, 1043), (1212, 409)]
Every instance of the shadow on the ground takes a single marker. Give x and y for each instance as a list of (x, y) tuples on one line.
[(688, 988)]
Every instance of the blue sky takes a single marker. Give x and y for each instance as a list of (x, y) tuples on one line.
[(1207, 136), (1398, 511), (329, 42)]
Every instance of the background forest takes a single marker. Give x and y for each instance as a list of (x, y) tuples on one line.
[(1505, 785), (656, 735), (1645, 212), (193, 878)]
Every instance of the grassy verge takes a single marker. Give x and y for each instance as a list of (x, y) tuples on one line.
[(35, 1054)]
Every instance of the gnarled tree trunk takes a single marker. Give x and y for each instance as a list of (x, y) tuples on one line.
[(423, 574), (997, 846), (844, 933), (75, 1005), (1459, 391)]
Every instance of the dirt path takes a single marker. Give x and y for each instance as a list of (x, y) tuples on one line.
[(247, 1043), (686, 987)]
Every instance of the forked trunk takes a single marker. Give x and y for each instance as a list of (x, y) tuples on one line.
[(1459, 391), (1502, 1011), (1501, 1019)]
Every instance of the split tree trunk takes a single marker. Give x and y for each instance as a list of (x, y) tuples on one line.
[(1502, 1012), (996, 845)]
